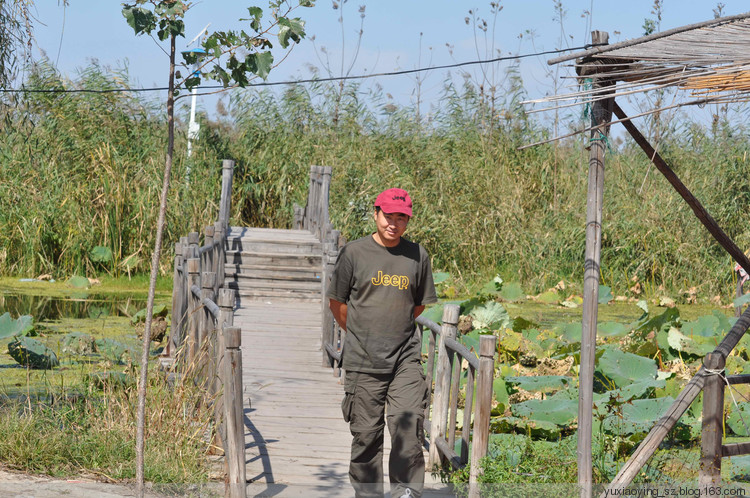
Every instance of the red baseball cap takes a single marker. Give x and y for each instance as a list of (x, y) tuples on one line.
[(394, 200)]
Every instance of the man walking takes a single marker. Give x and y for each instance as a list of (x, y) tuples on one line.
[(380, 284)]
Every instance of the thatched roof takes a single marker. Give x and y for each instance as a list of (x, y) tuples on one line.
[(710, 60)]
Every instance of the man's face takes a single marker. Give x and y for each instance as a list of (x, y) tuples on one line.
[(390, 227)]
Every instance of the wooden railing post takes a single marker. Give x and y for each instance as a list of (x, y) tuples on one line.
[(175, 327), (233, 413), (713, 421), (325, 188), (208, 256), (194, 317), (220, 255), (299, 217), (442, 383), (481, 437), (225, 204), (207, 324), (226, 319)]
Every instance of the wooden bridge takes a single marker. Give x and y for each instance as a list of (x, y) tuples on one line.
[(278, 414)]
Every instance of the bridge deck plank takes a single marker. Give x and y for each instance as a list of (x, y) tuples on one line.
[(295, 434)]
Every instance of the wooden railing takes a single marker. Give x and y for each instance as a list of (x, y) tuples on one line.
[(203, 341), (445, 366)]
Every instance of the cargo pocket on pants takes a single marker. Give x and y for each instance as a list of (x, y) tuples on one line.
[(350, 384)]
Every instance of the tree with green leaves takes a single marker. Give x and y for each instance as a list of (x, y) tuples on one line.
[(233, 58)]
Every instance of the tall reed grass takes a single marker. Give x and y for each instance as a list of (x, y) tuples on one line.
[(81, 170)]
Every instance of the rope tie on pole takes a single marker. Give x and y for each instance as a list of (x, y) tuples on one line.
[(721, 373)]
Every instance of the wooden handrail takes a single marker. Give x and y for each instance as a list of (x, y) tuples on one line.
[(202, 337)]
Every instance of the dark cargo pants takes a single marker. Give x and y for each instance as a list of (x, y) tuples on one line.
[(403, 396)]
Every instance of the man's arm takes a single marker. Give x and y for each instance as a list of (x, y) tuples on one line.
[(339, 312), (418, 311)]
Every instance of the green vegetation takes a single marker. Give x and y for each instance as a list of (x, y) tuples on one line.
[(646, 354), (81, 175), (76, 415)]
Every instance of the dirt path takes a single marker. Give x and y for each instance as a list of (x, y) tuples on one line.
[(14, 484)]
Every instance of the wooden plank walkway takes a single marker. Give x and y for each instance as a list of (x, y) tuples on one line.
[(297, 442)]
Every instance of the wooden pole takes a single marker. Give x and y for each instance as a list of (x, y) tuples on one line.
[(235, 422), (481, 439), (226, 319), (225, 204), (206, 325), (175, 326), (442, 383), (600, 113), (193, 268), (208, 240), (220, 257), (712, 426)]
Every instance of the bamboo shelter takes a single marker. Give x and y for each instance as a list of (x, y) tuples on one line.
[(708, 62)]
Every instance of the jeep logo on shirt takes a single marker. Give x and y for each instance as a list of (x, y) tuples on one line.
[(400, 281)]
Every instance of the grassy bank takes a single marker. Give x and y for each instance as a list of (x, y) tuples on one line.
[(83, 171)]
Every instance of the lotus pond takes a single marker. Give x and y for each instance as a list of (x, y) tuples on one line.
[(83, 331), (647, 350)]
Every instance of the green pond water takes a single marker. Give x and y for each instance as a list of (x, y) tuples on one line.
[(102, 312)]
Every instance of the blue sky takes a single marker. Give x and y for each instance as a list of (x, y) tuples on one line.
[(95, 29)]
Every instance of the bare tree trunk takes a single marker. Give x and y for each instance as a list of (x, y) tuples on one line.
[(141, 423)]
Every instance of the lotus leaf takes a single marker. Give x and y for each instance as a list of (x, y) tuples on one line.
[(79, 282), (645, 324), (106, 380), (98, 312), (492, 314), (500, 389), (114, 351), (605, 294), (569, 304), (140, 317), (131, 262), (556, 411), (101, 254), (510, 341), (440, 277), (637, 389), (519, 324), (742, 300), (569, 332), (643, 304), (78, 343), (637, 416), (738, 418), (433, 313), (698, 346), (612, 329), (626, 368), (23, 325), (533, 427), (511, 291), (542, 383), (548, 297), (739, 468), (492, 287), (707, 326), (32, 353)]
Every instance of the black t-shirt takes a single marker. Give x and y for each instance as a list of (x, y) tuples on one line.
[(381, 286)]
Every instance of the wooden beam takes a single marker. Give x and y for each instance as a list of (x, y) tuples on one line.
[(700, 212), (601, 112)]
